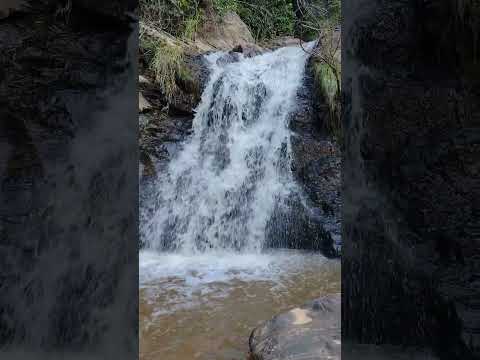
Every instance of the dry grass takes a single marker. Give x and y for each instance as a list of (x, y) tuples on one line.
[(165, 61)]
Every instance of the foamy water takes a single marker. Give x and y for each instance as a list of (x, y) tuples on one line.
[(190, 277), (205, 306), (221, 190)]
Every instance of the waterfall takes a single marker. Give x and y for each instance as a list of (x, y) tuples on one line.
[(220, 191)]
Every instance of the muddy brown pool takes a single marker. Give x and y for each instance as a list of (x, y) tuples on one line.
[(205, 306)]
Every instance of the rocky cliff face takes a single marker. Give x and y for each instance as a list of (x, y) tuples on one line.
[(410, 170), (68, 165), (312, 222)]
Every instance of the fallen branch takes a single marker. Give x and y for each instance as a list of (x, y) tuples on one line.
[(161, 35)]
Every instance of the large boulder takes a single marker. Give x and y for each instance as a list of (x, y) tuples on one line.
[(311, 331), (225, 33)]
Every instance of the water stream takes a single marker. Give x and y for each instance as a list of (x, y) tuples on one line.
[(206, 275)]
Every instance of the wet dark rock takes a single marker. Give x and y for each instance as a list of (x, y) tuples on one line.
[(238, 49), (168, 123), (316, 165), (309, 332), (296, 225), (160, 133), (199, 69), (248, 50), (228, 58)]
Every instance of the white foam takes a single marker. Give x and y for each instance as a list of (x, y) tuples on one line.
[(184, 281)]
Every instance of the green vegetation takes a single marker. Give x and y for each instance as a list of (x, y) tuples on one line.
[(328, 85), (166, 63), (265, 18), (270, 18), (326, 79), (179, 18), (183, 19), (192, 24), (316, 15)]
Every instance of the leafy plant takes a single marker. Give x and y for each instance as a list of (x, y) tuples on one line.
[(268, 18)]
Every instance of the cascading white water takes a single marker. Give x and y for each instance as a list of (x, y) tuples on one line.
[(221, 189)]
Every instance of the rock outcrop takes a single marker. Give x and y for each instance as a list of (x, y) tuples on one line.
[(224, 33), (313, 218), (309, 332)]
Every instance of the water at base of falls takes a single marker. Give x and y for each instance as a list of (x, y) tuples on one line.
[(205, 306), (222, 188)]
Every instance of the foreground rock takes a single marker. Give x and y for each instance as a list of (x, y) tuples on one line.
[(309, 332)]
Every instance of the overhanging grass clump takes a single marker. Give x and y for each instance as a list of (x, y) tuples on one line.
[(327, 83), (166, 63)]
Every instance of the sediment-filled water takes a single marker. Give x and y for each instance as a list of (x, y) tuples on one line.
[(205, 307)]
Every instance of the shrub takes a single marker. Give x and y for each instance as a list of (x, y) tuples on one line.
[(316, 15), (179, 18)]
